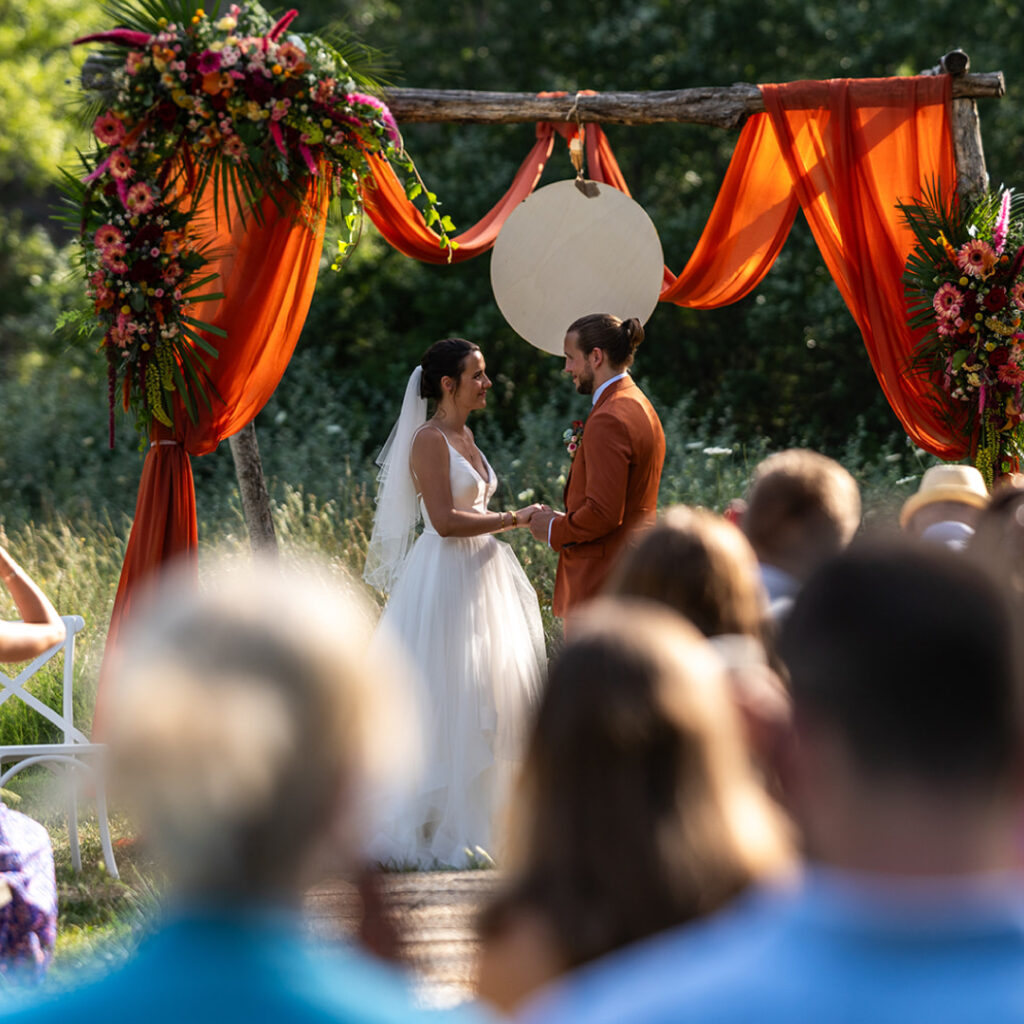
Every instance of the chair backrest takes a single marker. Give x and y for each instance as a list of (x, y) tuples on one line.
[(63, 719)]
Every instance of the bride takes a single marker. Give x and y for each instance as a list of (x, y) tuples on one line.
[(462, 607)]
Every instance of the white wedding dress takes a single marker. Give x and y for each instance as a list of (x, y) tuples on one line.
[(468, 618)]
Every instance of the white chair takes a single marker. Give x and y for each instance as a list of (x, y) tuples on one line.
[(76, 752)]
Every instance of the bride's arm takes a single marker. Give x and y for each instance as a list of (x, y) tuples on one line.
[(429, 461)]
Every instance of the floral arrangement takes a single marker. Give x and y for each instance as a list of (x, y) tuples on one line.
[(191, 100), (572, 436), (965, 288)]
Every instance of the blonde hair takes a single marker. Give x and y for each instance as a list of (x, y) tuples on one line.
[(244, 719)]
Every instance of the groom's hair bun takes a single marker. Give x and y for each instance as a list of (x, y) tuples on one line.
[(443, 359), (617, 338)]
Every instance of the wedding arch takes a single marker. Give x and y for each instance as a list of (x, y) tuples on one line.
[(844, 151)]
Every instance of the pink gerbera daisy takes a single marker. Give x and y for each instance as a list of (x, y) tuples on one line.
[(106, 236), (108, 128), (233, 147), (113, 258), (948, 300), (976, 258), (1009, 373), (1017, 294), (209, 61), (140, 198), (120, 165)]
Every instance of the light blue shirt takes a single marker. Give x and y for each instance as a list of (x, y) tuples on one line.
[(837, 949), (593, 401), (246, 965)]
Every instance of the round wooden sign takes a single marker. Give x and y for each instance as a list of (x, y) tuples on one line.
[(565, 252)]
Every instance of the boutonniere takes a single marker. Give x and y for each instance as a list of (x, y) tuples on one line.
[(572, 437)]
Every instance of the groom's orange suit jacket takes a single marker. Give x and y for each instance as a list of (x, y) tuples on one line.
[(612, 489)]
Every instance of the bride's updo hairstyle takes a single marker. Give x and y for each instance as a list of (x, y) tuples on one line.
[(617, 338), (443, 359)]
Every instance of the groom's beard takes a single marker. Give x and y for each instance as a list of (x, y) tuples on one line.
[(585, 381)]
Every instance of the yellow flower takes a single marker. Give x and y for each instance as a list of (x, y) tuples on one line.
[(277, 69), (227, 23), (962, 282), (126, 310)]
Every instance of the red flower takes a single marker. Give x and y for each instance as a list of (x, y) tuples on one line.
[(996, 299), (999, 356)]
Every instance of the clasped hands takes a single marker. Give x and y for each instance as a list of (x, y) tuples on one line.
[(537, 517)]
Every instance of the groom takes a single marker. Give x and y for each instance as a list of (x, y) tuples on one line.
[(613, 481)]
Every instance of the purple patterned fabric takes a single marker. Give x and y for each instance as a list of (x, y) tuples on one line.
[(28, 920)]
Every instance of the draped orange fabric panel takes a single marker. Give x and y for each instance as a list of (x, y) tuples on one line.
[(749, 223), (401, 223), (853, 148), (267, 273)]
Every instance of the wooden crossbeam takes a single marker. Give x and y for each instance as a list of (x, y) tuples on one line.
[(725, 107)]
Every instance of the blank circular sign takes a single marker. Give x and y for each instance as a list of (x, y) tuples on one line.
[(563, 254)]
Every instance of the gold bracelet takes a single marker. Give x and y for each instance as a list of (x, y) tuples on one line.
[(515, 519)]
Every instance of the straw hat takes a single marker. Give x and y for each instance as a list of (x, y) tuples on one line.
[(947, 483)]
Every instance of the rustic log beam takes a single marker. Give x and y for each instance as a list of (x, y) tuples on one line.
[(725, 107), (971, 172)]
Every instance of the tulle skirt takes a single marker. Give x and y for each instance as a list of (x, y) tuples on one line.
[(468, 619)]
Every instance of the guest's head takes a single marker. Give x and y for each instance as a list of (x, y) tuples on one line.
[(998, 541), (907, 708), (946, 495), (638, 807), (245, 726), (701, 566), (600, 346), (443, 365), (802, 509)]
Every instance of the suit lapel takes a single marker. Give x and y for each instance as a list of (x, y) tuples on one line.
[(619, 385)]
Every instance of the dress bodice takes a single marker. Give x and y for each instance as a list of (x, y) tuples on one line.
[(469, 489)]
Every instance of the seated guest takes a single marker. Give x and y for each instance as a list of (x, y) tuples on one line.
[(802, 509), (246, 728), (906, 779), (702, 567), (945, 507), (638, 809), (40, 627), (28, 887), (28, 898)]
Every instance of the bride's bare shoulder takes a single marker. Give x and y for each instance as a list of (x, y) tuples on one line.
[(428, 443)]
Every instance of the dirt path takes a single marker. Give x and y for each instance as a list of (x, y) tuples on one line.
[(433, 913)]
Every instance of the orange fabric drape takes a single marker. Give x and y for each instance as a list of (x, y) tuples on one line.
[(267, 273), (853, 148), (399, 220), (749, 223)]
